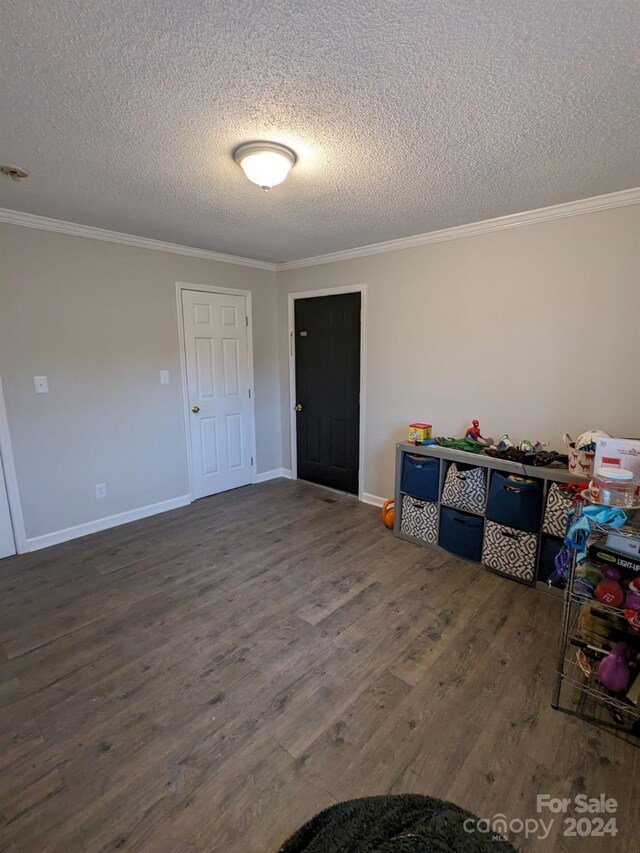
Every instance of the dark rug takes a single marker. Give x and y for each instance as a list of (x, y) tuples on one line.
[(406, 823)]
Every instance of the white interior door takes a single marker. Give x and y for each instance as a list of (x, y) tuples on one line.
[(7, 544), (218, 392)]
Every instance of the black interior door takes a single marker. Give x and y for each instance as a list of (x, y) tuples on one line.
[(327, 341)]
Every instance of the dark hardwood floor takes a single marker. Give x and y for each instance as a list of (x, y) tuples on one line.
[(207, 679)]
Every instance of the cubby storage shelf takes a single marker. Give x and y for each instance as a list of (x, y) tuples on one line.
[(445, 456)]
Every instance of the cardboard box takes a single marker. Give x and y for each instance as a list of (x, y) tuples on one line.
[(618, 453), (613, 558)]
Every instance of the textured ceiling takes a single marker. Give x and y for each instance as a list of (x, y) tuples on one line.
[(406, 116)]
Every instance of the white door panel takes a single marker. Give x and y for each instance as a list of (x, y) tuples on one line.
[(217, 360), (7, 544)]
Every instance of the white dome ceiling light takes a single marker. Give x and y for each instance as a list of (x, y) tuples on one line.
[(266, 164)]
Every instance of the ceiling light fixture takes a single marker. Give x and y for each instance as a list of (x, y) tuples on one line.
[(266, 164)]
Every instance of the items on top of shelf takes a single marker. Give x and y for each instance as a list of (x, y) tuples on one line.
[(467, 444), (504, 443), (542, 458), (419, 433), (474, 434), (623, 453), (614, 487), (587, 440), (582, 451)]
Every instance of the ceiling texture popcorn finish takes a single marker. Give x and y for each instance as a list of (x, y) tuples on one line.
[(406, 117)]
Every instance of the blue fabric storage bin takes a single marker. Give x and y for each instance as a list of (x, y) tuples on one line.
[(514, 503), (420, 476), (461, 533), (550, 548)]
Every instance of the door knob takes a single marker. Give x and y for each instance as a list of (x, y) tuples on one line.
[(298, 407), (195, 409)]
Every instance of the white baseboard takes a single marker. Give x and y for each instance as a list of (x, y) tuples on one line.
[(272, 475), (38, 542), (374, 500)]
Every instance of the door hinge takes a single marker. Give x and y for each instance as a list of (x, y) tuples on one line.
[(249, 393), (246, 320), (252, 460)]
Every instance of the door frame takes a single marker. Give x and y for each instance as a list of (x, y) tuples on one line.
[(11, 480), (210, 288), (293, 436)]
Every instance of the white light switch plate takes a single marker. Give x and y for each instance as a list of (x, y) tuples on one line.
[(164, 377), (41, 384)]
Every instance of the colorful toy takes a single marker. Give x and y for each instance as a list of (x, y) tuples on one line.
[(473, 433), (504, 444), (613, 671), (419, 433), (388, 513)]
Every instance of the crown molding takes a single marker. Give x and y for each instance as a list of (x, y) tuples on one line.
[(45, 223), (458, 232), (473, 229)]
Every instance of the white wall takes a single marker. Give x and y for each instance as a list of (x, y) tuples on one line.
[(533, 330), (100, 321)]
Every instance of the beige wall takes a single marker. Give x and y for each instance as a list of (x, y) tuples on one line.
[(100, 321), (533, 330)]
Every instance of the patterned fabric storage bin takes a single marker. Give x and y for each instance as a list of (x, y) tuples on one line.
[(515, 503), (465, 488), (461, 533), (549, 550), (420, 476), (510, 551), (419, 519), (555, 512)]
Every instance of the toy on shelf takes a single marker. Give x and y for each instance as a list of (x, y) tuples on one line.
[(419, 433), (504, 444), (473, 433), (388, 513)]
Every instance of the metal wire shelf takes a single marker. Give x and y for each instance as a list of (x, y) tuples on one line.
[(589, 684), (568, 671)]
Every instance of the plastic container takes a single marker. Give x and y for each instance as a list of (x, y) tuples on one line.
[(614, 487)]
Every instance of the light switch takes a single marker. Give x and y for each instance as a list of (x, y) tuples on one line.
[(164, 377), (41, 384)]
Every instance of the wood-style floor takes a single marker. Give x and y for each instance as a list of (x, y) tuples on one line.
[(208, 679)]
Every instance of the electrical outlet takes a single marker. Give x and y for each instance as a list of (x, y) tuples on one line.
[(164, 377), (101, 490)]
